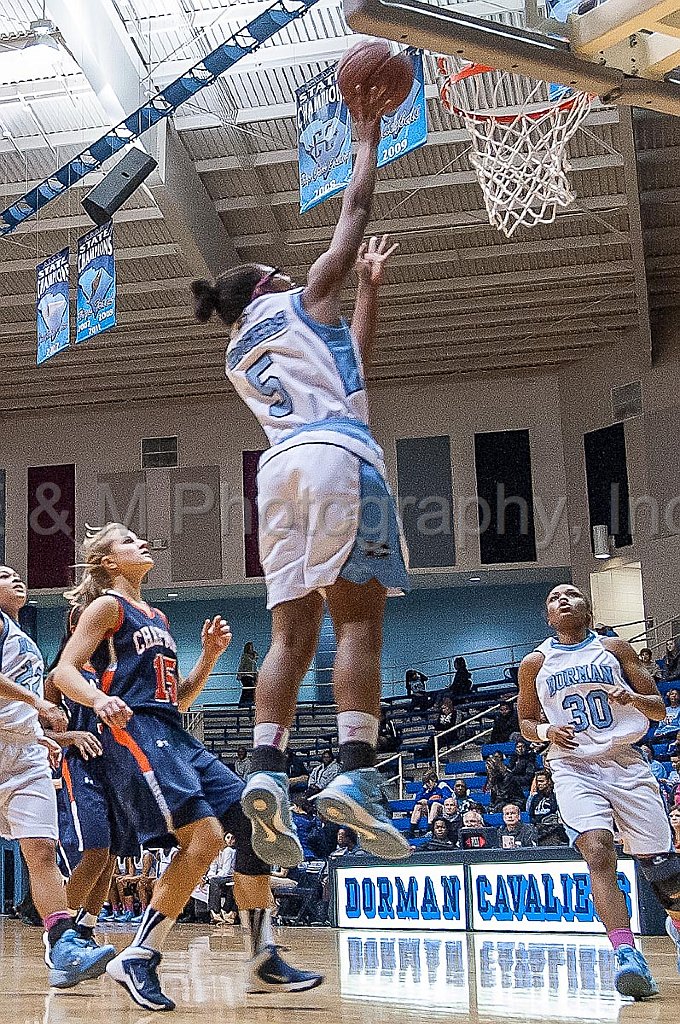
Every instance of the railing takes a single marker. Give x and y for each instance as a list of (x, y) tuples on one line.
[(399, 777), (657, 633), (194, 723), (438, 737)]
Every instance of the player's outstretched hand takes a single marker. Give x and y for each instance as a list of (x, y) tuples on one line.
[(371, 259), (53, 751), (620, 695), (87, 745), (51, 717), (562, 736), (111, 710), (215, 637), (367, 107)]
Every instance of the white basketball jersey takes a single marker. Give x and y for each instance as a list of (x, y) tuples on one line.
[(293, 372), (572, 687), (21, 662)]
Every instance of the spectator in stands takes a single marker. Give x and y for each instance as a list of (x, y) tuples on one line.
[(246, 674), (297, 772), (220, 878), (502, 785), (462, 795), (323, 774), (433, 789), (669, 727), (242, 764), (603, 630), (657, 768), (420, 818), (310, 829), (415, 689), (444, 836), (513, 831), (544, 813), (675, 825), (389, 740), (669, 785), (461, 685), (475, 835), (505, 723), (523, 763), (347, 844), (448, 810), (647, 659), (446, 719), (670, 663)]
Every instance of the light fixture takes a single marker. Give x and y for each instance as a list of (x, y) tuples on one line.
[(173, 595), (601, 542), (38, 54), (475, 579)]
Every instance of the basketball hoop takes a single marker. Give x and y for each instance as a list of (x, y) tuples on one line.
[(519, 157)]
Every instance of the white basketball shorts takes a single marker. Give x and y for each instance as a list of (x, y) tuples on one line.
[(325, 513), (28, 801), (620, 791)]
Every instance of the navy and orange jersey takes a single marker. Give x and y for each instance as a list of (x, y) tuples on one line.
[(137, 661), (80, 718)]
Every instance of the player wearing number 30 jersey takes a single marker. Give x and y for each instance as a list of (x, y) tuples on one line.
[(591, 698)]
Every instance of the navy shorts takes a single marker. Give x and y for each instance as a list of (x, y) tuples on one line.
[(164, 778), (88, 818)]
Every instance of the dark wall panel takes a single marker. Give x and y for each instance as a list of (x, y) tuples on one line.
[(426, 500), (250, 518), (505, 496), (607, 477), (122, 499), (51, 525), (196, 540)]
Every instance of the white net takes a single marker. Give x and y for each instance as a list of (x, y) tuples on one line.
[(520, 159)]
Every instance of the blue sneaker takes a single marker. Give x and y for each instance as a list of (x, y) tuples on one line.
[(74, 960), (124, 918), (673, 932), (135, 970), (269, 973), (265, 802), (633, 977), (354, 798)]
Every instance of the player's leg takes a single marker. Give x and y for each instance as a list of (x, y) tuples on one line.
[(354, 798), (87, 887), (295, 633), (136, 967)]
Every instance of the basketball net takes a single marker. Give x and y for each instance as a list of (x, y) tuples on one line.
[(519, 158)]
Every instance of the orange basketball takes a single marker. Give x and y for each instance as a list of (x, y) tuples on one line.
[(369, 65)]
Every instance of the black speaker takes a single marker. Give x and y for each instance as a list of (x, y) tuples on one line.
[(109, 195)]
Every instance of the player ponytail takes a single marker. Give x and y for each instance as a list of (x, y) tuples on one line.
[(228, 296), (96, 580)]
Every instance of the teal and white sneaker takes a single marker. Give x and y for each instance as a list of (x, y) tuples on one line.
[(355, 799), (673, 932), (633, 977), (265, 801), (73, 960)]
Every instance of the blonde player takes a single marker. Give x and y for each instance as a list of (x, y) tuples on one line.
[(592, 699)]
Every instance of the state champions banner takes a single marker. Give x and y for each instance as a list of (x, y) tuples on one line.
[(324, 140), (96, 303), (405, 129), (51, 305)]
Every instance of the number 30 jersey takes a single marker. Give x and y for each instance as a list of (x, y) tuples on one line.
[(573, 685), (138, 660)]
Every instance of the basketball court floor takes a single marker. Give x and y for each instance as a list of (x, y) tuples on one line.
[(371, 976)]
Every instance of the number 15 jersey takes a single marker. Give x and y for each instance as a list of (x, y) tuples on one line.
[(573, 685), (138, 660)]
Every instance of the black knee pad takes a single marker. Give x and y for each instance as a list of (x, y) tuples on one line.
[(663, 874), (247, 863)]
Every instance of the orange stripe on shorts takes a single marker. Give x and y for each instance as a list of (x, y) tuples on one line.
[(66, 775), (123, 737)]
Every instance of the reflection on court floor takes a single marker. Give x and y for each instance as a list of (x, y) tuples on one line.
[(522, 975)]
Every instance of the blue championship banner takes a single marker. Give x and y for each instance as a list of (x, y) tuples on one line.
[(406, 129), (324, 140), (96, 305), (416, 897), (51, 305)]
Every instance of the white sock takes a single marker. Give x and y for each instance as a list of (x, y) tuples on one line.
[(153, 929), (357, 727), (269, 734), (257, 930), (87, 920)]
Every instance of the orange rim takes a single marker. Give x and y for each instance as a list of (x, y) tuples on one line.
[(472, 70)]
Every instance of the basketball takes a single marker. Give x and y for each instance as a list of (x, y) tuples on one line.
[(369, 65)]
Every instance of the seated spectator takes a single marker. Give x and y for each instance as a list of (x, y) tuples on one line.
[(474, 834), (389, 739), (647, 659), (242, 764), (514, 832), (670, 663), (220, 879), (670, 725), (505, 723), (543, 811), (420, 818), (310, 829), (668, 786), (462, 794), (447, 811), (523, 763), (675, 825), (657, 768), (297, 772), (502, 785), (444, 836), (433, 789), (415, 689), (347, 845), (446, 719), (323, 774)]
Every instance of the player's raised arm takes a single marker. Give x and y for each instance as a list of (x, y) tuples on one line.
[(99, 620), (215, 638), (370, 268), (530, 713), (646, 697)]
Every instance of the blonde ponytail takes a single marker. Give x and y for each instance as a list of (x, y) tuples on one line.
[(95, 580)]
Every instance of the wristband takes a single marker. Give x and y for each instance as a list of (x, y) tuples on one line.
[(542, 731)]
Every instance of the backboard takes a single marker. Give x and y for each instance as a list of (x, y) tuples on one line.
[(626, 51)]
